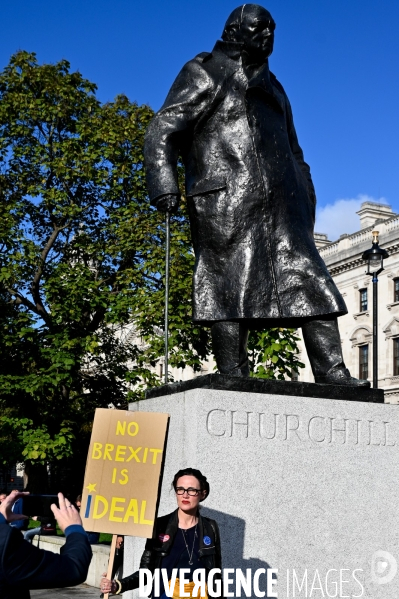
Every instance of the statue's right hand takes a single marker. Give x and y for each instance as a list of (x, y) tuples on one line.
[(168, 203)]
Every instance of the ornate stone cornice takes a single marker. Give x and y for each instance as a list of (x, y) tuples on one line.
[(351, 264)]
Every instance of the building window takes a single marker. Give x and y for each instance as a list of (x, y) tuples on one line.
[(396, 290), (294, 376), (363, 362), (160, 371), (396, 356), (363, 300)]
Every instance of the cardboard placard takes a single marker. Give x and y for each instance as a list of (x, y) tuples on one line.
[(123, 470)]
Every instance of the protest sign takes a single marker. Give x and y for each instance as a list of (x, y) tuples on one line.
[(123, 472)]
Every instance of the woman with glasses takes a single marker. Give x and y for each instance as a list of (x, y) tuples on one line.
[(182, 539)]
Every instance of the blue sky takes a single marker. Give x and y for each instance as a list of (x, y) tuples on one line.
[(338, 62)]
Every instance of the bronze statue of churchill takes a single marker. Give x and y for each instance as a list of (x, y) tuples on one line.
[(250, 197)]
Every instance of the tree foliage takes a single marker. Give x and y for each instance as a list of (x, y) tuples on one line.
[(273, 354), (82, 256), (31, 442)]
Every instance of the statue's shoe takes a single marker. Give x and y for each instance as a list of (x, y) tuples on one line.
[(341, 376)]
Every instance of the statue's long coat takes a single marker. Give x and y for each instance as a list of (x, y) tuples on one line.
[(250, 194)]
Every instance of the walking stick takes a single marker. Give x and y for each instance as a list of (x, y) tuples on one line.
[(167, 229)]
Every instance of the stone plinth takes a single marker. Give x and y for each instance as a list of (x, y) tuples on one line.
[(270, 387), (308, 486)]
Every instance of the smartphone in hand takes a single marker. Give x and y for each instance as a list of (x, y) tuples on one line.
[(39, 505)]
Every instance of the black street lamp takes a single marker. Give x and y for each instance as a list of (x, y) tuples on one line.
[(375, 264)]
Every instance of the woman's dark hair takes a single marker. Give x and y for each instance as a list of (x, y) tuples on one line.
[(204, 485)]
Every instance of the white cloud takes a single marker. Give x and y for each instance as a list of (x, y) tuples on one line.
[(340, 217)]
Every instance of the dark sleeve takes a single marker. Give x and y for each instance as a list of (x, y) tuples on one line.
[(131, 582), (172, 125), (218, 560), (218, 556), (74, 528), (35, 568), (19, 524), (297, 151)]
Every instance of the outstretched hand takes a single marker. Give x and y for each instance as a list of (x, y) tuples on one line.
[(6, 506), (168, 203), (67, 514)]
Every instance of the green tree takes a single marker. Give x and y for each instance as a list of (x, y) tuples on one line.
[(273, 354), (82, 257)]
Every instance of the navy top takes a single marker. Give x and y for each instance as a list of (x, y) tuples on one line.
[(179, 557), (17, 508)]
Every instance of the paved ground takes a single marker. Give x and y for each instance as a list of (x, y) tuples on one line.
[(81, 592)]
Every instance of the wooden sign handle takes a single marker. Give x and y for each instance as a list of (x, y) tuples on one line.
[(111, 561)]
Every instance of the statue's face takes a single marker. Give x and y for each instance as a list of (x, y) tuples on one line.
[(257, 33)]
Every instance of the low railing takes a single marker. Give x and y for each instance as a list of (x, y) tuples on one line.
[(393, 224), (329, 250), (359, 237)]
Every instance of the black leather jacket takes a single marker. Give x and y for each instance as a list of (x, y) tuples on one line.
[(156, 548)]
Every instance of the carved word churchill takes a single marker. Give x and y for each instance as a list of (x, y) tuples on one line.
[(322, 430)]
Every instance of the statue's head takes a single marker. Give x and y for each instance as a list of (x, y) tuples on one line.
[(253, 26)]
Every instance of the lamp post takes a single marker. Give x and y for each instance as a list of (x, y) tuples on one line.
[(375, 264)]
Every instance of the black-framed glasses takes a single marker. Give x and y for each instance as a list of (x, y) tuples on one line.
[(190, 491)]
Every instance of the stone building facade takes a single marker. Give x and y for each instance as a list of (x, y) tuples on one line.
[(343, 259)]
